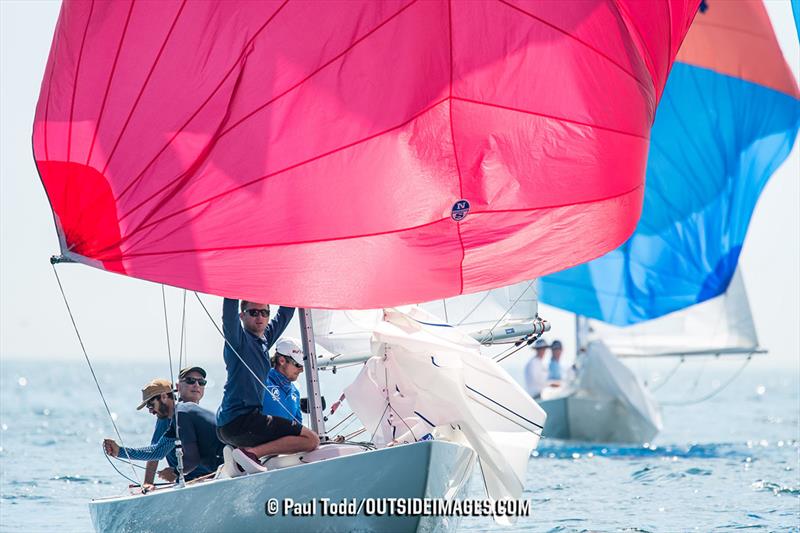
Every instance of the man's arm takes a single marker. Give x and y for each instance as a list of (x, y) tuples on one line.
[(231, 326), (154, 452), (278, 324), (150, 472)]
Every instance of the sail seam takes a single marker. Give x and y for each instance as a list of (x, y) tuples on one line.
[(144, 86), (348, 237), (286, 169), (108, 85), (258, 109), (455, 151), (198, 110), (553, 117), (75, 82), (639, 82)]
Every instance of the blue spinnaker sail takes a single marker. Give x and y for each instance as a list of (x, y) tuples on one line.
[(728, 118)]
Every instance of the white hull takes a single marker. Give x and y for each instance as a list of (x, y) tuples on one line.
[(608, 403), (428, 469)]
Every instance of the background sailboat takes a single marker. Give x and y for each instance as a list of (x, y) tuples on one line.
[(729, 117)]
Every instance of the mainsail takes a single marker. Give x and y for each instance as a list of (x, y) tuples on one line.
[(350, 155), (728, 118), (721, 325)]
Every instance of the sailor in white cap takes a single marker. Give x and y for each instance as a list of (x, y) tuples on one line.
[(535, 370), (282, 398)]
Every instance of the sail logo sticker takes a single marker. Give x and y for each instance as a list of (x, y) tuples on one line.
[(460, 210)]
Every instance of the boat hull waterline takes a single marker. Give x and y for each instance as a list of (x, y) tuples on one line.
[(428, 469)]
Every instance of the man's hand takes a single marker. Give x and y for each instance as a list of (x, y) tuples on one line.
[(111, 447), (168, 474)]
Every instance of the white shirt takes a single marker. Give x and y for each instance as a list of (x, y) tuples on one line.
[(535, 376)]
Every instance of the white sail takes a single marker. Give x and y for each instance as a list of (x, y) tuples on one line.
[(498, 313), (721, 325), (426, 378)]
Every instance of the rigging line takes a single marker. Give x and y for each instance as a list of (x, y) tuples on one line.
[(372, 437), (118, 471), (669, 375), (291, 415), (499, 359), (715, 391), (521, 294), (179, 452), (91, 369), (475, 307), (355, 434), (388, 403), (347, 425), (403, 420), (340, 422), (183, 359)]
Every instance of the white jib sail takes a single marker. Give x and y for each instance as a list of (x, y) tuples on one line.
[(717, 326), (426, 378)]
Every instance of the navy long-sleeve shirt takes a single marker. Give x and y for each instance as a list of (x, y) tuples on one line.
[(243, 393), (198, 433)]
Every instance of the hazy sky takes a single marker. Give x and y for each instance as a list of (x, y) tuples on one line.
[(122, 318)]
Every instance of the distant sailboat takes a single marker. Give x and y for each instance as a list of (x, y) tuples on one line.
[(729, 117)]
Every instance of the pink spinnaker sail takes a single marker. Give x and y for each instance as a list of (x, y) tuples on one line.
[(350, 154)]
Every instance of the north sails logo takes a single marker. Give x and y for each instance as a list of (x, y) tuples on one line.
[(460, 210), (274, 393)]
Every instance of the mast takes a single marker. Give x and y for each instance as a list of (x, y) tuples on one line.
[(581, 334), (312, 374)]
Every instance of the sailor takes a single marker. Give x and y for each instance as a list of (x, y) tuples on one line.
[(282, 398), (191, 388), (196, 429), (535, 370), (241, 423), (554, 368)]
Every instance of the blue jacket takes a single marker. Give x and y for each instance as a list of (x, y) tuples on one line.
[(281, 398), (554, 370), (243, 393)]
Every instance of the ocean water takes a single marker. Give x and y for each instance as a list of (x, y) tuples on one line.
[(729, 463)]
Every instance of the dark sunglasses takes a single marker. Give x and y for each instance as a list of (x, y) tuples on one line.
[(255, 312), (292, 361), (192, 381), (151, 403)]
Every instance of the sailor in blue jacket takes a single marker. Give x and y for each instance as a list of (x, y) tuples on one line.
[(248, 337), (282, 398)]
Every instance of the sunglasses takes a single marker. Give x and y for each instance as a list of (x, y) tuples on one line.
[(255, 312), (151, 403), (191, 381), (292, 361)]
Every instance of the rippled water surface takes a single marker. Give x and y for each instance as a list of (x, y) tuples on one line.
[(730, 463)]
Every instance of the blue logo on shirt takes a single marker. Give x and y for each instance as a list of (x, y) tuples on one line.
[(459, 210)]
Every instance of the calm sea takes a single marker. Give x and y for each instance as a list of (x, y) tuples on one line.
[(729, 463)]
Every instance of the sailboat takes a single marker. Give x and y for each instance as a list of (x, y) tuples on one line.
[(729, 117), (364, 155)]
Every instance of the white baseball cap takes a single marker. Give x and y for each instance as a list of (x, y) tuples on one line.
[(289, 346)]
